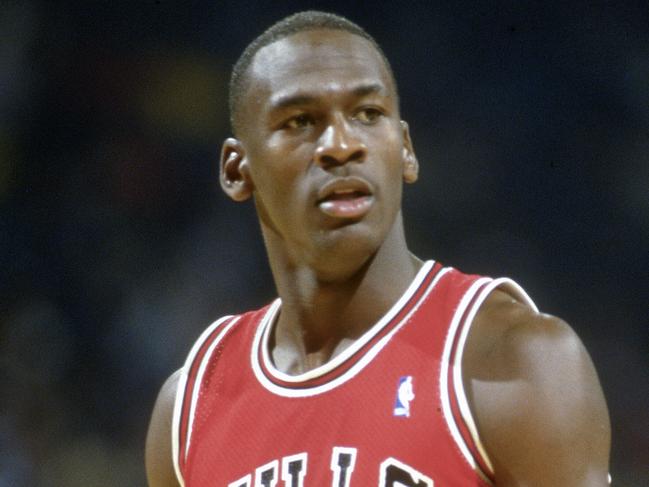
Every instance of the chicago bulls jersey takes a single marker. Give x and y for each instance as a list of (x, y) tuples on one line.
[(390, 410)]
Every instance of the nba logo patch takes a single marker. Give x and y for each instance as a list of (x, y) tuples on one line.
[(405, 394)]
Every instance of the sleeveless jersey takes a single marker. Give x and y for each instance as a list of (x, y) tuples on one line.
[(390, 410)]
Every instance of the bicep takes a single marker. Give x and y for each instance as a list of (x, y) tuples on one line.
[(544, 421), (158, 453)]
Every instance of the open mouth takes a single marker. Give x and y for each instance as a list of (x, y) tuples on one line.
[(347, 198), (346, 203), (344, 194)]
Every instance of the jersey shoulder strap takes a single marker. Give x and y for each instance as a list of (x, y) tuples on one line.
[(452, 392), (187, 393)]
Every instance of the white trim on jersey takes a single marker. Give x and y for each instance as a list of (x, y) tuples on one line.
[(175, 425), (199, 379), (443, 379), (458, 384), (263, 333), (180, 394)]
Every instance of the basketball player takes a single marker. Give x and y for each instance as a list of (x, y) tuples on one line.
[(372, 368)]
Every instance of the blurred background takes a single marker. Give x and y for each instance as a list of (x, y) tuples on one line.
[(530, 120)]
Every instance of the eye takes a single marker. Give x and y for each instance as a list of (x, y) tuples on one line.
[(368, 115), (298, 122)]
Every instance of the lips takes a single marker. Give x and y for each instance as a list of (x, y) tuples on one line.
[(350, 197)]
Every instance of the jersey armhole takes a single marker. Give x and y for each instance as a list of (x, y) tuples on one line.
[(454, 400), (189, 381)]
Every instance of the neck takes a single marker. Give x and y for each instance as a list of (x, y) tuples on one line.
[(323, 311)]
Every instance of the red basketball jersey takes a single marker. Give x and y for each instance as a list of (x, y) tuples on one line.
[(390, 410)]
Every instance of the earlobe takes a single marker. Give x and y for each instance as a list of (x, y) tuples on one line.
[(234, 173), (410, 162)]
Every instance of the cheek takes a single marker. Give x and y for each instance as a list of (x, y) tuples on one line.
[(389, 138), (276, 173), (390, 162), (390, 154)]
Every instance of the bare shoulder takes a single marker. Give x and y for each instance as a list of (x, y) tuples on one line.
[(536, 398), (158, 455)]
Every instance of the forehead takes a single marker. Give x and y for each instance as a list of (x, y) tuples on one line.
[(316, 61)]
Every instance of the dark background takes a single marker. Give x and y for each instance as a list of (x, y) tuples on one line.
[(530, 120)]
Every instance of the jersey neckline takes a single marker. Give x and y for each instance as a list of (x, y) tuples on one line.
[(351, 360)]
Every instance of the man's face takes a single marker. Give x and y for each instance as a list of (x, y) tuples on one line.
[(325, 150)]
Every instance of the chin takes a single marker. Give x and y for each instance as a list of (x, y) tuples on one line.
[(342, 252)]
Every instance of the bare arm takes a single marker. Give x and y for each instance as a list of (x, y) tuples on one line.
[(158, 453), (536, 398)]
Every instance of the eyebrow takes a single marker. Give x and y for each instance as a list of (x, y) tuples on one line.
[(301, 98)]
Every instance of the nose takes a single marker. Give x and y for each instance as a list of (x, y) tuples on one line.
[(338, 146)]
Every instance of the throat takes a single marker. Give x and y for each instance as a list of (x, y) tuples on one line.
[(319, 320), (292, 360)]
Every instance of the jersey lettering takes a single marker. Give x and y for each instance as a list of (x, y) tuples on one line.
[(294, 470), (393, 473), (244, 482), (397, 474), (342, 464), (266, 475)]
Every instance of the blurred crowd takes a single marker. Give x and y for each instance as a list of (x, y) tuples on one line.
[(531, 122)]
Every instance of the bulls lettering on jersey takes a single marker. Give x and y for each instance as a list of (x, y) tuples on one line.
[(393, 473), (390, 410)]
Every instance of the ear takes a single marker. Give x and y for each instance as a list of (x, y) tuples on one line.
[(410, 162), (234, 173)]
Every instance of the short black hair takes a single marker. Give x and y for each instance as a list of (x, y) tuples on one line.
[(299, 22)]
